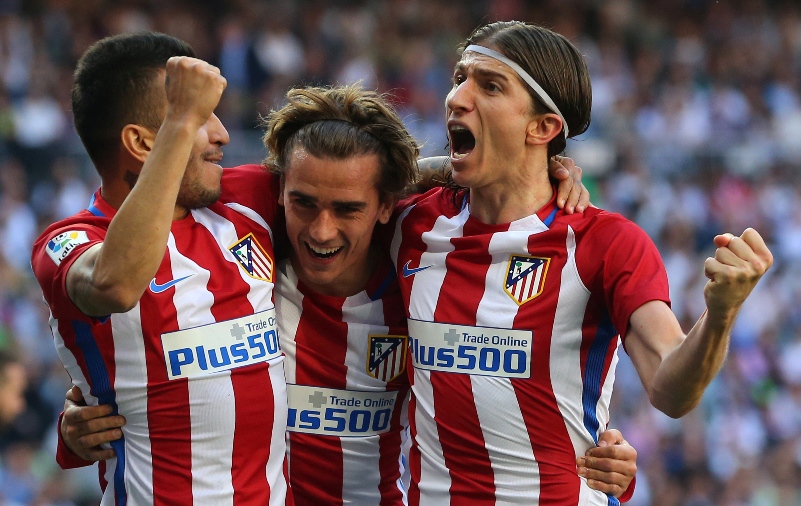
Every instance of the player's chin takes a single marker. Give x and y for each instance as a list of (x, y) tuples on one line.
[(200, 198)]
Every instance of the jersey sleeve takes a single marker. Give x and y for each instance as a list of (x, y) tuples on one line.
[(628, 267), (64, 456), (255, 187), (53, 254)]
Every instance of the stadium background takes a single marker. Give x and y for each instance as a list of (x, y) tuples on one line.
[(696, 129)]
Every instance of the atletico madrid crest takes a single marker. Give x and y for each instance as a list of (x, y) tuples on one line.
[(386, 359), (252, 257), (525, 277)]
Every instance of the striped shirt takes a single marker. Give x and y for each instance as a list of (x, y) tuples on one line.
[(514, 331), (195, 367)]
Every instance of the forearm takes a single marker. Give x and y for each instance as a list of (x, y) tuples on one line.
[(137, 236), (433, 171), (681, 379)]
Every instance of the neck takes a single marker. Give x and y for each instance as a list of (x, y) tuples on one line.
[(512, 199), (115, 193)]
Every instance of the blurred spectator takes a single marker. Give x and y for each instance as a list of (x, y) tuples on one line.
[(696, 130)]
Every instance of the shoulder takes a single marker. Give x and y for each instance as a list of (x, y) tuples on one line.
[(62, 237), (245, 180), (603, 226), (252, 186), (437, 200)]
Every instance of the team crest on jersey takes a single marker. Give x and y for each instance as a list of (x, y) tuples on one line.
[(525, 277), (252, 257), (386, 359), (61, 245)]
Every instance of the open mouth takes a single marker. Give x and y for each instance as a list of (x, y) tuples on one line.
[(322, 253), (462, 141)]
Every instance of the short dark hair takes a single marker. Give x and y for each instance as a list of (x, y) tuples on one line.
[(114, 86), (340, 122), (553, 61)]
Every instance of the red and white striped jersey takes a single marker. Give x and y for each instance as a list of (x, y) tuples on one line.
[(513, 334), (195, 367), (348, 390)]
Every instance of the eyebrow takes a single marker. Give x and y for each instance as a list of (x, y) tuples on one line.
[(482, 72), (358, 204)]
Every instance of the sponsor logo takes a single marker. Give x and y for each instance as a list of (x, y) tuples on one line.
[(525, 277), (334, 412), (221, 346), (157, 288), (62, 245), (482, 351), (386, 359), (411, 272), (252, 258)]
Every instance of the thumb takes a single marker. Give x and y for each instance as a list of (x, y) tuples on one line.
[(75, 395)]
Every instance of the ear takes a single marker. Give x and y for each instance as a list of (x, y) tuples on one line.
[(137, 141), (281, 191), (385, 209), (543, 128)]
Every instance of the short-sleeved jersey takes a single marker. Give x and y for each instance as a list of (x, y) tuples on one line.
[(514, 331), (348, 390), (195, 367)]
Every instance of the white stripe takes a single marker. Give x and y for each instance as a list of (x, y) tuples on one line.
[(288, 306), (130, 385), (427, 283), (211, 398), (360, 456), (434, 480), (71, 364), (253, 215), (109, 498), (503, 427), (261, 263), (274, 471), (224, 233), (565, 360)]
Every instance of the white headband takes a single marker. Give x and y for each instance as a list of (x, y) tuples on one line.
[(524, 76)]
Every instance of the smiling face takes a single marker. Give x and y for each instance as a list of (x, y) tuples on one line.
[(332, 206), (200, 186), (488, 113)]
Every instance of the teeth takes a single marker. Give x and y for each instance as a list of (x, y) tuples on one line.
[(458, 156), (323, 251), (457, 128)]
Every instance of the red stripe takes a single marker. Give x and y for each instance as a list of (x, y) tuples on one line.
[(390, 443), (255, 407), (167, 406), (550, 441), (318, 461), (255, 413), (467, 459)]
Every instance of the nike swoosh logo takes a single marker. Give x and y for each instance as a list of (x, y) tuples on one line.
[(157, 288), (411, 272)]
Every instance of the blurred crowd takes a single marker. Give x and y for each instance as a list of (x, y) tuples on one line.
[(696, 129)]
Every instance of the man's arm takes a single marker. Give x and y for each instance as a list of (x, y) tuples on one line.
[(611, 466), (110, 277), (674, 369), (571, 194)]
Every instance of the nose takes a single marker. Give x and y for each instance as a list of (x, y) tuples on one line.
[(216, 131), (323, 228), (460, 96)]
